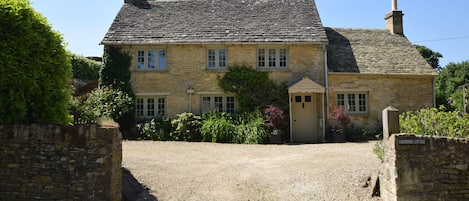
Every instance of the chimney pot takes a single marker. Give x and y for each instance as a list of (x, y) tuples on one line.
[(394, 20), (394, 5)]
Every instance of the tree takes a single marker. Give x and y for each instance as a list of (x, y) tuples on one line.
[(116, 74), (448, 85), (84, 68), (35, 70), (432, 57)]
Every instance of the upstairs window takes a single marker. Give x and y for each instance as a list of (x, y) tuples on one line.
[(353, 102), (217, 58), (272, 58), (151, 60)]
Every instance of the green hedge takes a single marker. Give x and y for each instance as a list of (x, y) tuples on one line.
[(435, 122)]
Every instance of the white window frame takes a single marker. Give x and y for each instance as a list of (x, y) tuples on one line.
[(354, 103), (151, 60), (150, 107), (275, 58), (218, 103), (219, 61)]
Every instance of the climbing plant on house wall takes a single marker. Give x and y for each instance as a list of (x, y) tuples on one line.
[(253, 89)]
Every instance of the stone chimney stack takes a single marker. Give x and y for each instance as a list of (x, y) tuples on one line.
[(394, 20)]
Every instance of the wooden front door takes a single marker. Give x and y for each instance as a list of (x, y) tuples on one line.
[(304, 117)]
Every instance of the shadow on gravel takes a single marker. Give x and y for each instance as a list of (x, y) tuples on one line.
[(132, 190)]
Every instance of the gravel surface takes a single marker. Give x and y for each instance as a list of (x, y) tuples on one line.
[(210, 171)]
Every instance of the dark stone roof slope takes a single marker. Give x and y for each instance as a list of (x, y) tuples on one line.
[(217, 21), (373, 51)]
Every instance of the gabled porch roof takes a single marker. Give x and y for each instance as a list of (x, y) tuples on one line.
[(306, 85)]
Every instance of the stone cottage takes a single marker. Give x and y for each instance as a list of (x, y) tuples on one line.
[(180, 47)]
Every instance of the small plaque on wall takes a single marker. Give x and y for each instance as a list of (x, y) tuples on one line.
[(412, 142)]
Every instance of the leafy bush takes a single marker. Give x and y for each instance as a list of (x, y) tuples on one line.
[(250, 129), (378, 150), (154, 129), (434, 122), (217, 127), (339, 122), (35, 68), (186, 127), (85, 68), (104, 102), (274, 116)]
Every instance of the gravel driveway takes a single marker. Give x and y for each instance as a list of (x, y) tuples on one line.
[(210, 171)]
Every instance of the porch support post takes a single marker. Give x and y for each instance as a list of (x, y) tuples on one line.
[(323, 117), (291, 122)]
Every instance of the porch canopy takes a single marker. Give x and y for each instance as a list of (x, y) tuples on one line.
[(306, 85)]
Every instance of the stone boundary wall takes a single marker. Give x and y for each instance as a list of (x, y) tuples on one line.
[(425, 168), (48, 162)]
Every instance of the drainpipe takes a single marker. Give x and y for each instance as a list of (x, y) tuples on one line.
[(326, 83)]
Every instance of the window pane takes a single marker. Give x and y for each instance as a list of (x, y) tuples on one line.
[(261, 57), (206, 104), (161, 59), (283, 57), (161, 107), (150, 107), (222, 58), (140, 59), (230, 104), (362, 102), (352, 106), (151, 59), (211, 58), (298, 99), (340, 100), (308, 99), (272, 57), (139, 108), (218, 104)]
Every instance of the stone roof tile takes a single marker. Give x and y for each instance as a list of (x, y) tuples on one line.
[(217, 21), (373, 51)]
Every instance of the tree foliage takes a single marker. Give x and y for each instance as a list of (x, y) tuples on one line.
[(102, 102), (116, 74), (448, 85), (116, 69), (35, 68), (432, 57), (84, 68)]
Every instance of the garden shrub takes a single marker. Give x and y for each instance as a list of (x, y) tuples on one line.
[(217, 127), (186, 127), (103, 102), (250, 129), (35, 70), (434, 122), (339, 120), (154, 129)]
